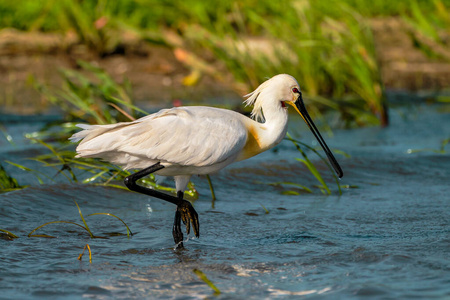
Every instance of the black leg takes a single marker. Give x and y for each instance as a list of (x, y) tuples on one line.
[(130, 182), (185, 211), (176, 229)]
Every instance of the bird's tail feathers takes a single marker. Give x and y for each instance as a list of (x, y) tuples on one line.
[(81, 134), (91, 131), (88, 146)]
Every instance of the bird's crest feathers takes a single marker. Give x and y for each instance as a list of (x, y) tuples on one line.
[(257, 112)]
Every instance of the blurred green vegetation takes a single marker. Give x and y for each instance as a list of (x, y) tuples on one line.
[(326, 45), (63, 15), (7, 183)]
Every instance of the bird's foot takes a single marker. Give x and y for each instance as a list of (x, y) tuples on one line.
[(186, 213)]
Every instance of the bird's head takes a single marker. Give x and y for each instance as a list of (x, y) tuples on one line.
[(285, 89), (278, 89)]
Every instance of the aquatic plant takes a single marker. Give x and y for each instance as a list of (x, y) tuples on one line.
[(5, 234), (85, 226), (108, 214), (297, 188), (9, 235), (82, 253), (205, 279), (440, 150), (266, 211), (7, 183), (312, 168)]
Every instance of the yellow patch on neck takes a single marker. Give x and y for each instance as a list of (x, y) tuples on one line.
[(253, 146)]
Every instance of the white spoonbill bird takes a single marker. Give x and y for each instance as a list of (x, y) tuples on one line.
[(184, 141)]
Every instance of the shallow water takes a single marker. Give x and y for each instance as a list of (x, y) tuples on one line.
[(386, 237)]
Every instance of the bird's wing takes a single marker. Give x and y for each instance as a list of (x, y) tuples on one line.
[(188, 136)]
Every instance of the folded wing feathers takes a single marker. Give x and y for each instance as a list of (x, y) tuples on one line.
[(174, 135)]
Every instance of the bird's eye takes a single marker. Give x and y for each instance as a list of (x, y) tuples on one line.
[(296, 91)]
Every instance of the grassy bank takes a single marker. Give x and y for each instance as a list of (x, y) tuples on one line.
[(327, 45)]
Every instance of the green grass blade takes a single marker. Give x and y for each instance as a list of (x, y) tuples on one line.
[(290, 193), (54, 222), (7, 182), (315, 172), (213, 195), (116, 186), (108, 214), (93, 178), (83, 162), (205, 279), (82, 253), (127, 104), (311, 167), (29, 170), (300, 186), (265, 209), (9, 233), (297, 143), (84, 221)]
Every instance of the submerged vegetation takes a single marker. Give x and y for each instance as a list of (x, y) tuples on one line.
[(7, 235), (84, 226)]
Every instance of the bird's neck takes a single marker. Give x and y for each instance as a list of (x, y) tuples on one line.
[(263, 136), (276, 117)]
